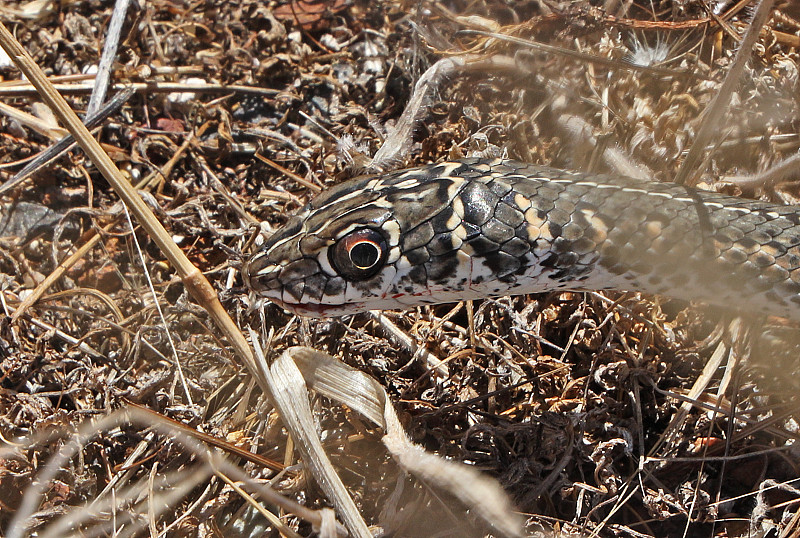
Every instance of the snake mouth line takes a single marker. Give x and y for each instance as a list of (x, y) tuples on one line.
[(317, 310)]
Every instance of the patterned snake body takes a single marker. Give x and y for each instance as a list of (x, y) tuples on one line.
[(482, 228)]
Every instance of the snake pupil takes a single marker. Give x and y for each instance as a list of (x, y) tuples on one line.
[(364, 254), (359, 255)]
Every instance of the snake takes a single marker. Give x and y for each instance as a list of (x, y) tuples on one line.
[(480, 228)]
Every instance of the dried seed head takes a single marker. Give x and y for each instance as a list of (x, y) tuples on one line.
[(644, 54)]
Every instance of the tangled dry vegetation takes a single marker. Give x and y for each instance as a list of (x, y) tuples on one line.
[(603, 415)]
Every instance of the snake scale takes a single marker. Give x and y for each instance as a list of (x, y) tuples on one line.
[(477, 228)]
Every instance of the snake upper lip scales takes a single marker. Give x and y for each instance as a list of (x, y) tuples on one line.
[(483, 228), (313, 310)]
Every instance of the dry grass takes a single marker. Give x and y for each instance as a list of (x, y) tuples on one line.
[(599, 414)]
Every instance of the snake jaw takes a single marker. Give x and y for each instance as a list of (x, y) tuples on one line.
[(273, 290)]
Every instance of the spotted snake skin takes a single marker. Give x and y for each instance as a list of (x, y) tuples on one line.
[(477, 228)]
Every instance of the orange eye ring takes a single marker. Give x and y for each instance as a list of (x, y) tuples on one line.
[(360, 254)]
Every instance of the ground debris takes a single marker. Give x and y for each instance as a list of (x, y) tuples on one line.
[(585, 406)]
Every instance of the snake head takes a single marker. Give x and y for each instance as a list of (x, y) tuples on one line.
[(439, 233), (335, 257)]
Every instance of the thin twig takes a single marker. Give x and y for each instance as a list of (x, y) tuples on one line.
[(561, 51), (194, 280), (30, 121), (93, 236), (107, 58), (59, 271), (786, 169), (26, 90), (709, 125), (68, 142)]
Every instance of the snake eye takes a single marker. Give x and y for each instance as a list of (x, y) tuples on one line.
[(359, 254)]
